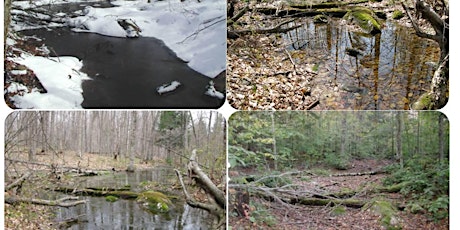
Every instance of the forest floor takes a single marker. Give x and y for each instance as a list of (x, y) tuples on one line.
[(263, 214), (265, 73), (87, 161)]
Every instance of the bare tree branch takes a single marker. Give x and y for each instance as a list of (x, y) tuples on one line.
[(18, 181), (60, 202)]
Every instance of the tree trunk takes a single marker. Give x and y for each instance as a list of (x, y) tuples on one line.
[(195, 172), (441, 136), (399, 153), (437, 97), (6, 25)]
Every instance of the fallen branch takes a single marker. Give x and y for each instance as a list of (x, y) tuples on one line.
[(18, 182), (312, 105), (357, 174), (13, 200), (237, 16), (276, 29), (67, 223)]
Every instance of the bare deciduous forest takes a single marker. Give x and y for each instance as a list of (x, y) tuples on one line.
[(76, 158)]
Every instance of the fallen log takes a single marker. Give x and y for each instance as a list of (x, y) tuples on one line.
[(13, 200), (217, 204), (323, 5), (18, 182), (292, 12), (357, 174), (352, 203), (122, 193), (232, 34)]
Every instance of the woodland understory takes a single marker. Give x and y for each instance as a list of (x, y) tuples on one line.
[(264, 73), (326, 199), (338, 170)]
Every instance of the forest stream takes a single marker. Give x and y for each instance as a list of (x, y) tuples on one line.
[(125, 73), (98, 213)]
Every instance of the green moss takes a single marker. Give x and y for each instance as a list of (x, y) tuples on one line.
[(338, 210), (387, 212), (365, 19), (111, 198), (315, 68), (320, 18), (397, 14), (424, 102), (155, 202)]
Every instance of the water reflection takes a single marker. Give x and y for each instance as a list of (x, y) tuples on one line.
[(358, 71), (127, 214)]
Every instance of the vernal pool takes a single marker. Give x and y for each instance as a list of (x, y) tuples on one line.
[(391, 70), (98, 213)]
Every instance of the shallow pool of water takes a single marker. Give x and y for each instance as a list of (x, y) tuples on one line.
[(391, 70), (97, 213)]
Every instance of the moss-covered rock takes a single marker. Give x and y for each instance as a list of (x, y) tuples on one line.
[(365, 19), (111, 198), (155, 202), (387, 212)]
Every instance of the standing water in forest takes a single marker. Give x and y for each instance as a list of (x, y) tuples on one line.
[(355, 70), (115, 170), (309, 55)]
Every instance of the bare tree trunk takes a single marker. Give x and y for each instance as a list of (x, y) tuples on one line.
[(6, 25), (275, 165), (399, 153), (131, 139), (441, 136), (438, 95)]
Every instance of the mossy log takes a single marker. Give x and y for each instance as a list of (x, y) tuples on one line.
[(293, 12), (323, 5), (101, 192), (353, 203)]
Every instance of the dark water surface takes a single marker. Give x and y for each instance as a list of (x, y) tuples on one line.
[(97, 213), (126, 72), (391, 71)]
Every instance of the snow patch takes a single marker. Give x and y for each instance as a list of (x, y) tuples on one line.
[(168, 87), (59, 76), (213, 92), (19, 72)]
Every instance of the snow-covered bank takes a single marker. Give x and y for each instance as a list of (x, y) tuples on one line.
[(195, 31), (59, 76)]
